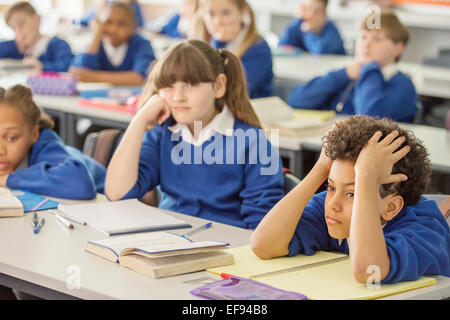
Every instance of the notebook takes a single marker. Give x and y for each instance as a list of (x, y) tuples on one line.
[(161, 254), (274, 113), (121, 217), (323, 276)]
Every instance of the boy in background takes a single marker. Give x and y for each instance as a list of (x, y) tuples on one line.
[(43, 53), (372, 83), (116, 54)]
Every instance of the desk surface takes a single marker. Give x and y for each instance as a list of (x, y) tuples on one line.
[(49, 259), (428, 80)]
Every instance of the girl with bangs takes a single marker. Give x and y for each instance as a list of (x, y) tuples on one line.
[(192, 86), (230, 24)]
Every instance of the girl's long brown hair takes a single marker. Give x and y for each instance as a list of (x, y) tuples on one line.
[(200, 31), (195, 61), (21, 98)]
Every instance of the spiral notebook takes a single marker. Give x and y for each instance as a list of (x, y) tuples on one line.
[(323, 276)]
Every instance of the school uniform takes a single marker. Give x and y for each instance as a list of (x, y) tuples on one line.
[(328, 41), (257, 64), (134, 55), (57, 170), (417, 239), (215, 177), (54, 53), (84, 21), (172, 28), (384, 92)]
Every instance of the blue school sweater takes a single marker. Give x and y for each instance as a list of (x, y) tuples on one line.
[(170, 29), (329, 40), (230, 189), (370, 95), (138, 58), (257, 63), (84, 21), (56, 58), (57, 170), (417, 239)]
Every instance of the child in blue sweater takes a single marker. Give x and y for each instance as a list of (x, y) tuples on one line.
[(370, 85), (206, 150), (91, 16), (230, 24), (179, 24), (312, 31), (116, 54), (42, 52), (34, 158), (372, 210)]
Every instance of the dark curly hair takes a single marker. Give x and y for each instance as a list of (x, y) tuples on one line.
[(346, 140)]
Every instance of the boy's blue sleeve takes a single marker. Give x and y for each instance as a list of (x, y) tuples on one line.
[(54, 173), (320, 92), (257, 63), (263, 184), (171, 27), (8, 49), (87, 60), (61, 56), (418, 249), (149, 164), (395, 99), (327, 42), (311, 233), (143, 57), (292, 35)]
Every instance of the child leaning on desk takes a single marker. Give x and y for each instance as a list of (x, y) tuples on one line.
[(372, 210), (116, 54), (372, 83), (34, 158), (42, 52), (196, 99), (312, 31), (230, 24)]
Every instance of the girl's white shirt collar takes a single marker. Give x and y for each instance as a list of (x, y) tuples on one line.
[(222, 123), (115, 55)]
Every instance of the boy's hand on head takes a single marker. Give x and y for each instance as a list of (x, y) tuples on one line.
[(155, 110), (379, 156)]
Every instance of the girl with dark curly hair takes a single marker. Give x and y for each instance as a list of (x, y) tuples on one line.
[(372, 210)]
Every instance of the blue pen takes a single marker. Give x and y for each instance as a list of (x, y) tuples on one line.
[(39, 226), (198, 229)]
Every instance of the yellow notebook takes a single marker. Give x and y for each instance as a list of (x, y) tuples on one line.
[(323, 276)]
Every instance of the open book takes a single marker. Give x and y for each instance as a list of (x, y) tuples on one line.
[(10, 205), (324, 275), (161, 254), (121, 217), (274, 113)]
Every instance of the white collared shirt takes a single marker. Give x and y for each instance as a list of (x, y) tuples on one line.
[(389, 71), (39, 48), (115, 55), (222, 123)]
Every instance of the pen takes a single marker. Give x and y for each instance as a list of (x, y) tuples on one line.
[(39, 226), (64, 221), (198, 229), (35, 221)]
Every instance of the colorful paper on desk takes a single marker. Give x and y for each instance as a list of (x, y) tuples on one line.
[(31, 200), (53, 83), (323, 276)]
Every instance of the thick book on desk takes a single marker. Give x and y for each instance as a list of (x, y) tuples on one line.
[(274, 113), (161, 254), (323, 276), (121, 217), (14, 203), (10, 205)]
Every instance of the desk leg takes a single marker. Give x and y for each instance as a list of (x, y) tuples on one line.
[(295, 161)]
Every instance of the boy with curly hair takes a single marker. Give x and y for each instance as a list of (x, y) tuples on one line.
[(372, 210)]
